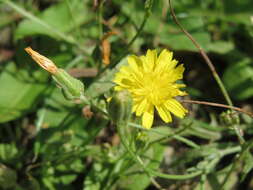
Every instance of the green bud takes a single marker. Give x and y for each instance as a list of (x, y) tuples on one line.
[(8, 177), (229, 118), (72, 88), (120, 107)]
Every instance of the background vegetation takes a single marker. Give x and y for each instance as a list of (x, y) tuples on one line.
[(47, 142)]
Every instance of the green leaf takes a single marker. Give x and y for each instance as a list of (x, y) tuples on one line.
[(8, 177), (19, 91), (60, 16), (30, 183), (104, 84), (248, 165), (95, 177), (177, 40), (136, 180), (8, 152), (220, 47), (201, 129), (238, 78), (56, 109), (238, 11)]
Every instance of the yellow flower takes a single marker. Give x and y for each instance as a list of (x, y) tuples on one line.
[(151, 81)]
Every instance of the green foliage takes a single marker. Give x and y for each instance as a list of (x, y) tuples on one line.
[(240, 84), (49, 142), (8, 177), (20, 91), (59, 17)]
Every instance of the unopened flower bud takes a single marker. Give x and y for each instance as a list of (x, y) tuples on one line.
[(120, 106), (44, 62), (229, 118), (72, 88)]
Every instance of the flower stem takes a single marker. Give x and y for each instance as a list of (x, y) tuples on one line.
[(204, 55), (211, 67), (150, 172)]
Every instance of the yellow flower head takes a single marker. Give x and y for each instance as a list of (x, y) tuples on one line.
[(151, 81)]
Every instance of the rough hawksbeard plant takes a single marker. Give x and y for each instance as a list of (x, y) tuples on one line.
[(151, 81)]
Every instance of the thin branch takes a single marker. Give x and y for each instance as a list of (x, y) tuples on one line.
[(211, 67), (126, 49), (218, 105), (204, 55), (237, 130)]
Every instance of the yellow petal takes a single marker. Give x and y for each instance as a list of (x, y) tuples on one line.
[(151, 57), (175, 91), (177, 73), (108, 99), (182, 93), (125, 83), (176, 108), (148, 118), (134, 63), (118, 78), (164, 61), (179, 85), (134, 107), (151, 81), (118, 88), (142, 107), (125, 70), (164, 113)]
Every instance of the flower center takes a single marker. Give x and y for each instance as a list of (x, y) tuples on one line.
[(155, 88)]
